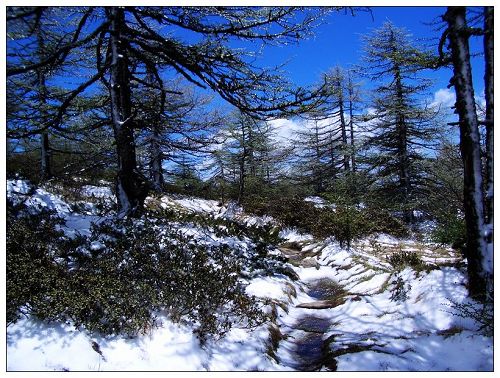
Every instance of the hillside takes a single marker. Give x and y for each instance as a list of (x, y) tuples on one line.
[(385, 304)]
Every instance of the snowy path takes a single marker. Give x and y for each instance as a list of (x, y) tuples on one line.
[(343, 316), (304, 342)]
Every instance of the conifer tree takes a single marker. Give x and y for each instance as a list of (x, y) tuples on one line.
[(402, 126), (125, 40)]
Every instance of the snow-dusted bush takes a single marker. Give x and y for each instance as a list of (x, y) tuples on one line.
[(174, 273), (256, 258), (401, 259), (114, 281), (32, 243)]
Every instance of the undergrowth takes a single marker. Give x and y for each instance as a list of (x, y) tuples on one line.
[(125, 272), (346, 223)]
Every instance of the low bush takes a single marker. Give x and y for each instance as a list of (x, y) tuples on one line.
[(402, 259), (450, 231), (399, 290), (114, 281), (264, 238), (345, 224), (32, 242), (291, 211), (382, 221), (482, 313)]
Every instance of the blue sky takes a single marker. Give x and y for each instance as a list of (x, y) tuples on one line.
[(338, 42)]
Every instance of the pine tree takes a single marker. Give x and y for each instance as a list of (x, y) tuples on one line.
[(125, 38), (353, 100), (183, 126), (320, 158), (31, 92), (250, 150), (401, 126)]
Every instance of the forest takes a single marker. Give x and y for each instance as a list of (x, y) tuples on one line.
[(177, 200)]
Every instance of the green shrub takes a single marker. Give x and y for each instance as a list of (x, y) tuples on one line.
[(400, 260), (23, 164), (384, 222), (345, 224), (32, 241), (290, 211), (450, 231), (114, 281)]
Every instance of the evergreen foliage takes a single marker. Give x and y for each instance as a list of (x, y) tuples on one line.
[(401, 128), (119, 278)]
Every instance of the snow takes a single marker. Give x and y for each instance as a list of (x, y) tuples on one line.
[(193, 204), (425, 353), (18, 186), (267, 287), (292, 235), (387, 239), (320, 203), (315, 200), (97, 191), (57, 347), (19, 191), (420, 333)]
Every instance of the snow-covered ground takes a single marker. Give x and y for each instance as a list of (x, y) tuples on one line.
[(368, 330)]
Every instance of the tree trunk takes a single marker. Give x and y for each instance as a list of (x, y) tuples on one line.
[(154, 119), (251, 143), (488, 91), (402, 153), (318, 182), (156, 160), (243, 157), (480, 263), (343, 124), (131, 187), (46, 171), (350, 87), (222, 185), (45, 166)]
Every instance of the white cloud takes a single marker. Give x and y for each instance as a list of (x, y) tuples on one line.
[(444, 98), (285, 129)]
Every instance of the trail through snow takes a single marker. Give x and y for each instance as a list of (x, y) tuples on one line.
[(339, 315)]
